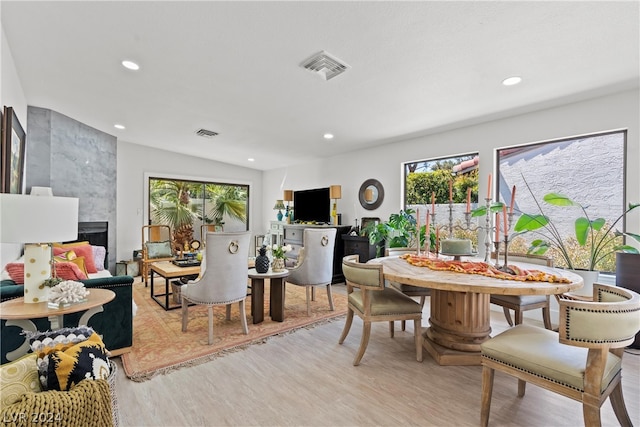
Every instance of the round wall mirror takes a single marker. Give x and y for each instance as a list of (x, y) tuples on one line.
[(371, 194)]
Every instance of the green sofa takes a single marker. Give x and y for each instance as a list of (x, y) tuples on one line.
[(114, 323)]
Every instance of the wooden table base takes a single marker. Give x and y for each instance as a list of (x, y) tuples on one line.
[(459, 323)]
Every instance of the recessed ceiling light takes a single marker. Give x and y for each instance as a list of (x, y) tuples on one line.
[(328, 136), (251, 159), (130, 65), (119, 126), (510, 81)]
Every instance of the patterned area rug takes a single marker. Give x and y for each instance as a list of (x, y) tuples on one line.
[(160, 346)]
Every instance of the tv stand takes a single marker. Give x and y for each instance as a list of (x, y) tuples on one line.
[(293, 234)]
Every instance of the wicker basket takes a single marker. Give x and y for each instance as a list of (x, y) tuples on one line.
[(114, 396)]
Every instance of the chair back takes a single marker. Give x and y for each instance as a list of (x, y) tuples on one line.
[(612, 319), (364, 276), (398, 251), (528, 258), (208, 228), (224, 271), (157, 242), (316, 267)]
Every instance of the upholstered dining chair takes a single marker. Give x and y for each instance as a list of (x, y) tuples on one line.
[(315, 263), (521, 303), (372, 301), (223, 278), (409, 290), (157, 245), (583, 361)]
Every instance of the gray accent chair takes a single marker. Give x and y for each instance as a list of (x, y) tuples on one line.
[(372, 301), (583, 361), (223, 278), (315, 263)]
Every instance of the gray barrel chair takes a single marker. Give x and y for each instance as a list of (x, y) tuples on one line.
[(315, 263), (223, 278)]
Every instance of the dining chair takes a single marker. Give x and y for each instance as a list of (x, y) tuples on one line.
[(157, 245), (521, 303), (315, 263), (372, 301), (583, 361), (409, 290), (223, 278)]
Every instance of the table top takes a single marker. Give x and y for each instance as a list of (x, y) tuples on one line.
[(168, 269), (17, 309), (399, 270), (253, 274)]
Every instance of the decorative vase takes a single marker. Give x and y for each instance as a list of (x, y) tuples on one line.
[(627, 274), (589, 277), (262, 261), (277, 264)]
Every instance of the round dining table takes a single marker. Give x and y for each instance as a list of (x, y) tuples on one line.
[(459, 319)]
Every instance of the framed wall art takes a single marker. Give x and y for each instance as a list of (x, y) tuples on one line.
[(12, 152)]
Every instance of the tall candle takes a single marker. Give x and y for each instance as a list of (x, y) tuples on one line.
[(433, 202), (489, 188), (468, 199), (497, 239), (450, 190), (437, 239), (513, 198), (427, 234), (504, 214)]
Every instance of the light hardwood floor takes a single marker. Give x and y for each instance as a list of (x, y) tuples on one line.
[(307, 379)]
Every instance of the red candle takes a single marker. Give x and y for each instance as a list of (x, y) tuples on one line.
[(468, 199), (450, 190), (433, 202), (513, 198), (497, 239), (489, 188), (504, 214), (427, 234)]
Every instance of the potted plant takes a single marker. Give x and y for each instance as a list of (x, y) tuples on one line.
[(398, 232)]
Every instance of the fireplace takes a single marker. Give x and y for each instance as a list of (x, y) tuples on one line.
[(96, 233)]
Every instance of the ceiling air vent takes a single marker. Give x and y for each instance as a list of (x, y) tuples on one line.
[(325, 65), (206, 133)]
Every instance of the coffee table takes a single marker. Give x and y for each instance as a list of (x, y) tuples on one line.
[(277, 282), (169, 271)]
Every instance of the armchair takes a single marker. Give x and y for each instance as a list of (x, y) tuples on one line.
[(582, 362), (157, 245), (315, 263), (223, 278)]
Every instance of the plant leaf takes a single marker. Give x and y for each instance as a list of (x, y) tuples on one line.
[(636, 237), (582, 230), (597, 224), (482, 211), (558, 200), (528, 222), (626, 249), (538, 247)]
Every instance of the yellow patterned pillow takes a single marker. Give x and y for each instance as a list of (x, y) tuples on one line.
[(17, 378)]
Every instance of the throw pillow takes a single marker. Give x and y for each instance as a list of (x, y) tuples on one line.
[(99, 254), (17, 378), (159, 249), (81, 249), (64, 270), (70, 256)]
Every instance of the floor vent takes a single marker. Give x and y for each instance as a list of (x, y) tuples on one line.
[(206, 133), (325, 65)]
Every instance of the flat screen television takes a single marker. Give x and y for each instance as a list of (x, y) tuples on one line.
[(312, 205)]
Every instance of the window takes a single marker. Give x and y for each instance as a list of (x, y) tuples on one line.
[(590, 170), (188, 205)]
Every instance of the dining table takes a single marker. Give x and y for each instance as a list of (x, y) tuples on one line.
[(459, 318)]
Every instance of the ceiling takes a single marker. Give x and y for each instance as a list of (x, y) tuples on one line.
[(415, 68)]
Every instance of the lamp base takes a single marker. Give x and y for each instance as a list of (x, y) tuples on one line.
[(37, 269)]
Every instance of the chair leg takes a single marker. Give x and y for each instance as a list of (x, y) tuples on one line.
[(330, 296), (417, 333), (546, 317), (507, 315), (228, 311), (210, 316), (619, 408), (185, 314), (347, 326), (519, 316), (243, 317), (364, 341), (423, 298), (522, 387), (391, 331), (313, 293), (487, 390), (591, 415), (403, 324), (310, 292)]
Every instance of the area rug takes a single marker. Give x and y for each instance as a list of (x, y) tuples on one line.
[(160, 346)]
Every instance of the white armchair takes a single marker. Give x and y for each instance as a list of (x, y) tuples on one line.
[(315, 266), (223, 278)]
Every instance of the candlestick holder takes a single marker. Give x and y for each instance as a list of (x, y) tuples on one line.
[(505, 268), (497, 247)]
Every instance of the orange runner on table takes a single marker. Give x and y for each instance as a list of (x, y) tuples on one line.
[(483, 269)]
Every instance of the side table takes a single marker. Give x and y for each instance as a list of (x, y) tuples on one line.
[(276, 294)]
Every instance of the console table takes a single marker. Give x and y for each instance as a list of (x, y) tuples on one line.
[(293, 234), (359, 245)]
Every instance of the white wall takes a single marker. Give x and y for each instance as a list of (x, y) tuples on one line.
[(11, 95), (134, 161)]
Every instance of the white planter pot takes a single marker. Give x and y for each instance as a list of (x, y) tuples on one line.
[(589, 277)]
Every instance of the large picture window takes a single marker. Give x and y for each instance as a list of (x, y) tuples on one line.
[(186, 206), (589, 170)]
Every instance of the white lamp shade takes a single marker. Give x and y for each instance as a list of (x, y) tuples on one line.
[(32, 219)]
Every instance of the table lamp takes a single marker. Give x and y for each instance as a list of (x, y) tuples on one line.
[(288, 197), (279, 206), (29, 219), (335, 193)]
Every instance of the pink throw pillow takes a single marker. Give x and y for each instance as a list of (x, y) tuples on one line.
[(64, 270), (81, 250)]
